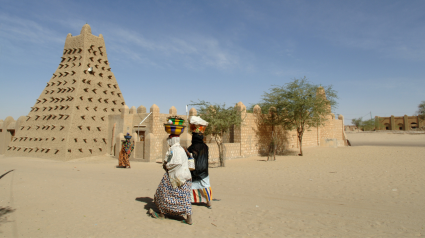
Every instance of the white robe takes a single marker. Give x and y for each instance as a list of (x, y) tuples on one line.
[(177, 164)]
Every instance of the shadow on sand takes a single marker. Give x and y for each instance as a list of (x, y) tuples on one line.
[(151, 204), (6, 173), (3, 212)]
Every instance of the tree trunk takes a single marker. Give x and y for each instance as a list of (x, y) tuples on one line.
[(219, 141), (300, 139)]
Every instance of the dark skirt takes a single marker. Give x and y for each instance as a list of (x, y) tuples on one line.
[(173, 201)]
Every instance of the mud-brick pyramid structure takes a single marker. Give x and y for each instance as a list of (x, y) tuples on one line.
[(70, 118)]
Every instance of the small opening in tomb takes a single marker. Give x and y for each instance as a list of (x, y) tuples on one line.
[(90, 99), (110, 77), (109, 85), (115, 102), (95, 108), (8, 148), (83, 117), (98, 128), (53, 138), (100, 100), (99, 61), (95, 140), (56, 151), (81, 98), (81, 127), (88, 128), (47, 151), (66, 117), (69, 150), (86, 90), (100, 149), (22, 127), (94, 90), (74, 81), (101, 74), (81, 150), (31, 149), (104, 140), (112, 109), (91, 152), (85, 140), (93, 118), (63, 139), (88, 81), (30, 139), (105, 109), (19, 148), (42, 149), (103, 118), (25, 149), (75, 139)]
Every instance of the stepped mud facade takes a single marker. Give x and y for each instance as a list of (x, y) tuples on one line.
[(70, 118), (82, 113)]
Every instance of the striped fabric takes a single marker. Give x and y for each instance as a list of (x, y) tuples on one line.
[(174, 129), (201, 195)]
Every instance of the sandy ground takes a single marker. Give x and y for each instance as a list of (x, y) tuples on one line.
[(358, 191)]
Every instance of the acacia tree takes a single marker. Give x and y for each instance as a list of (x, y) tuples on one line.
[(357, 121), (220, 120), (300, 104), (421, 110)]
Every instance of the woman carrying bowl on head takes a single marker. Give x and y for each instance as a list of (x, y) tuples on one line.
[(126, 149), (172, 196), (201, 188)]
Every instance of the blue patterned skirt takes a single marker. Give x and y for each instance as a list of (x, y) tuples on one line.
[(173, 201)]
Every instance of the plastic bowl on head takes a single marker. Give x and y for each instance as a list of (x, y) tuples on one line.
[(197, 128), (127, 137), (174, 129), (177, 121)]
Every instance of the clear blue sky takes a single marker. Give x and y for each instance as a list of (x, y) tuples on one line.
[(172, 52)]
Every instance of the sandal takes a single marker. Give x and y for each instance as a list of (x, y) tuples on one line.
[(155, 215), (185, 222)]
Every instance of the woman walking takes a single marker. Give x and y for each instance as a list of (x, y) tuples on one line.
[(172, 196), (201, 188)]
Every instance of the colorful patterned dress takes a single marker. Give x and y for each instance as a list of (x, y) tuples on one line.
[(173, 201), (126, 149), (173, 193)]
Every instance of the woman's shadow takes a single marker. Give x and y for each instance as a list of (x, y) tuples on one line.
[(149, 203)]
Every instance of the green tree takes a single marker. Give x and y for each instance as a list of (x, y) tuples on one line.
[(368, 125), (357, 122), (300, 105), (220, 120), (421, 110)]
